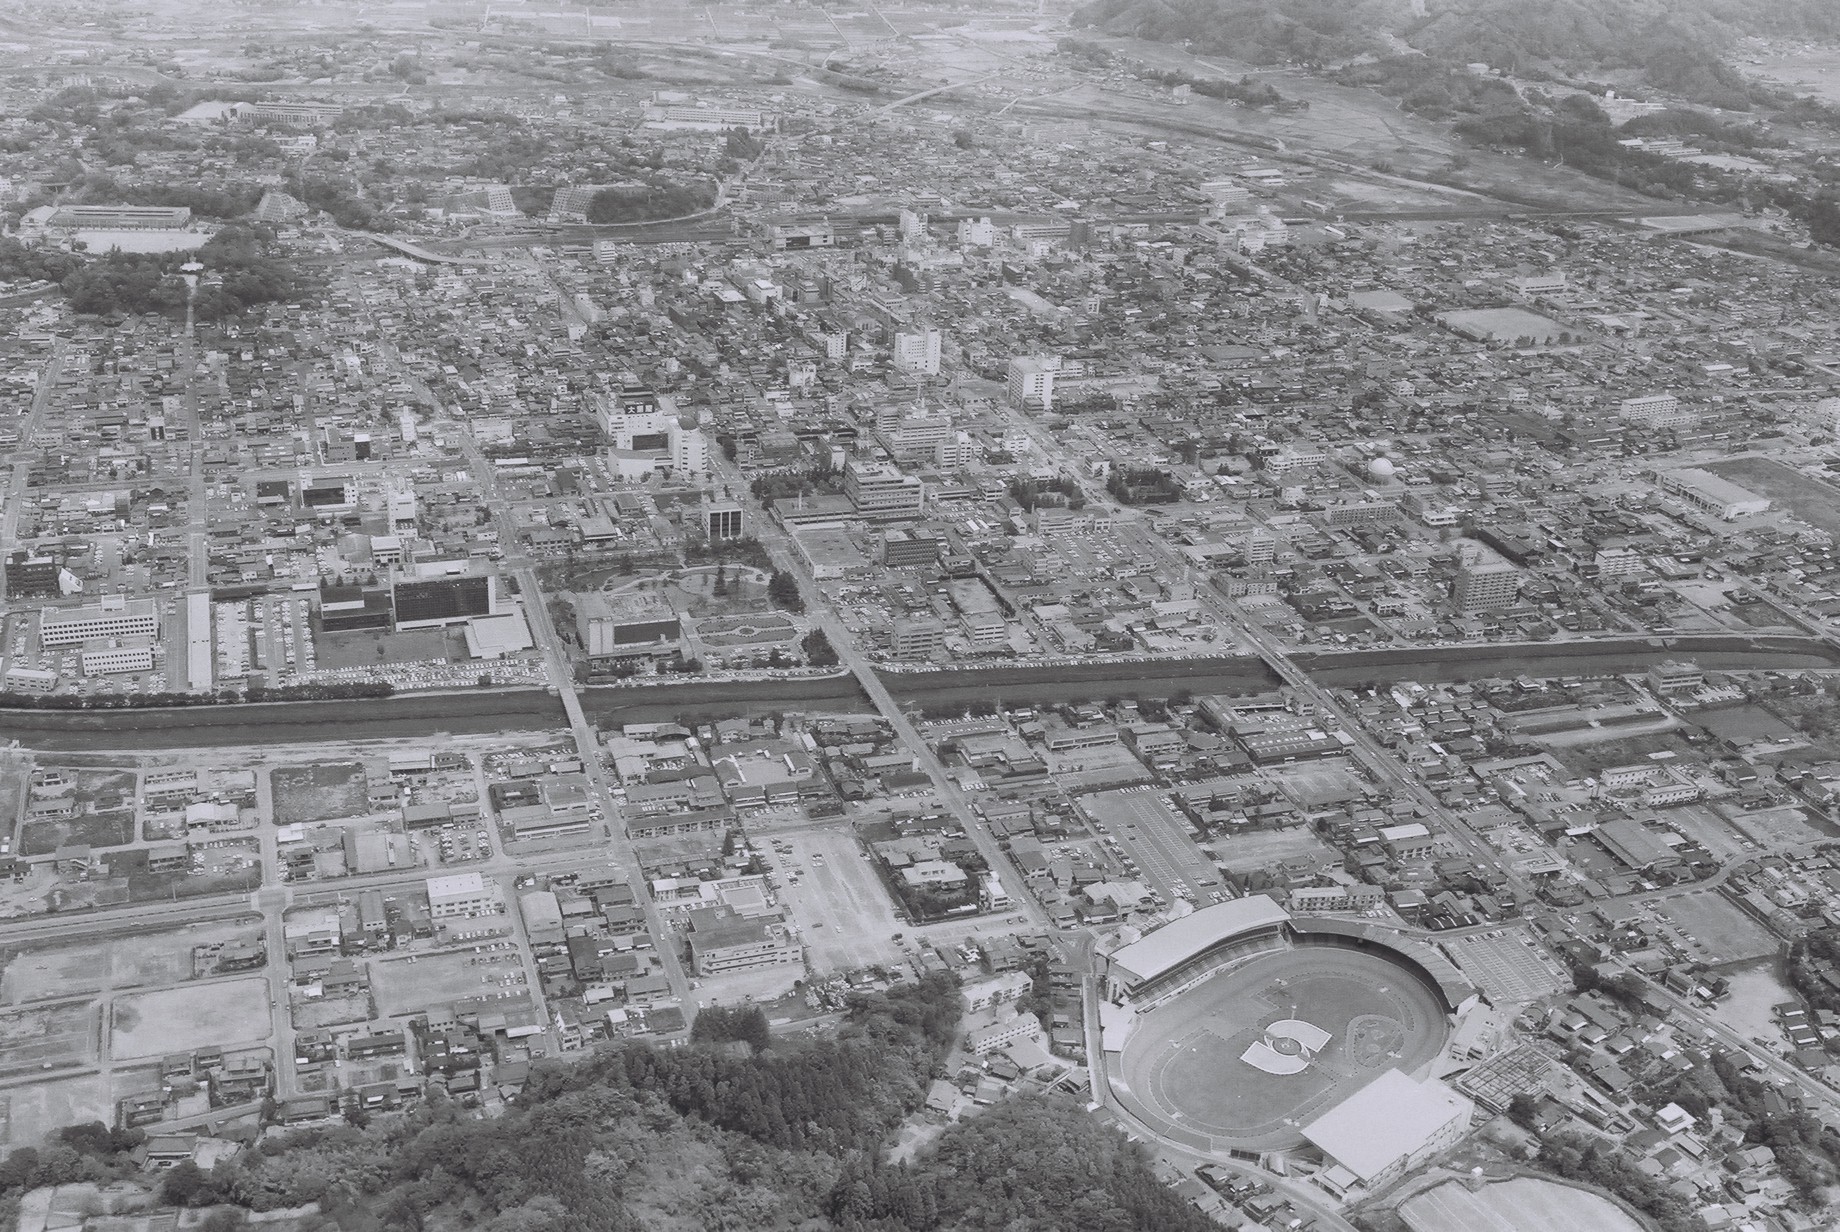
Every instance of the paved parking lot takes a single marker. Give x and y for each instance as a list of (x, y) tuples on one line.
[(838, 904), (1507, 964), (1155, 836), (1714, 929)]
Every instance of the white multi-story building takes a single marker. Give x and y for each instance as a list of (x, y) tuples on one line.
[(112, 616), (292, 115), (664, 111), (114, 660), (1538, 284), (916, 436), (459, 894), (1031, 381), (689, 452), (917, 352), (880, 492), (1656, 411), (1614, 564), (1390, 1126), (976, 233)]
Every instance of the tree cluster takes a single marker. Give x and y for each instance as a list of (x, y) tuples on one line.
[(1143, 485), (820, 480), (1058, 492), (653, 201), (818, 650), (1814, 968), (783, 590), (241, 271)]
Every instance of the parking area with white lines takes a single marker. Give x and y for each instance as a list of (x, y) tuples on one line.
[(1155, 837), (1507, 964)]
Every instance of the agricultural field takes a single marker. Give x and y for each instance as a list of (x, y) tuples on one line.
[(311, 1014), (32, 1110), (111, 829), (48, 1036)]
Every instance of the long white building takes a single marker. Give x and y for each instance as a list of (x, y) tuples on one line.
[(112, 616)]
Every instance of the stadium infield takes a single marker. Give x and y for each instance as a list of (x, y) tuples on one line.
[(1181, 1068)]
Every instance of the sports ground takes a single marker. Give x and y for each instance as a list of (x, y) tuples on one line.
[(1182, 1069)]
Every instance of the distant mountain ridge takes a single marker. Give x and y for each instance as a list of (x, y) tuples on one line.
[(1677, 45)]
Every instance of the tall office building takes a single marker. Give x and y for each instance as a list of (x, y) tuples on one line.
[(881, 493), (917, 352), (1031, 381), (1486, 585), (689, 452), (722, 520)]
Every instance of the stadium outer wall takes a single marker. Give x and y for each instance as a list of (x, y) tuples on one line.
[(1440, 976)]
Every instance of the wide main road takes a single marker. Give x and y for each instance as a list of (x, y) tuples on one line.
[(945, 787)]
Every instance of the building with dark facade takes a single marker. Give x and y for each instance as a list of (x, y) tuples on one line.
[(31, 577), (426, 603)]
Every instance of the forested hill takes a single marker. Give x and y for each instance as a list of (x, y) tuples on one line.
[(736, 1131), (1676, 45)]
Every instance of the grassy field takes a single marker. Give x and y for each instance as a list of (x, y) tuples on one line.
[(131, 960), (318, 792), (1814, 502), (152, 1024), (1520, 1205), (32, 1110), (110, 829)]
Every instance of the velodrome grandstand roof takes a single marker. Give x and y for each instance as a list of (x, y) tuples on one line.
[(1386, 1122), (1452, 984), (1178, 941)]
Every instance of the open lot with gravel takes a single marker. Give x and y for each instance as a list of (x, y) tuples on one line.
[(225, 1012)]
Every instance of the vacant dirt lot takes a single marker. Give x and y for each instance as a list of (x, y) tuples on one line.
[(153, 1024), (839, 905), (404, 987), (133, 960), (318, 793)]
